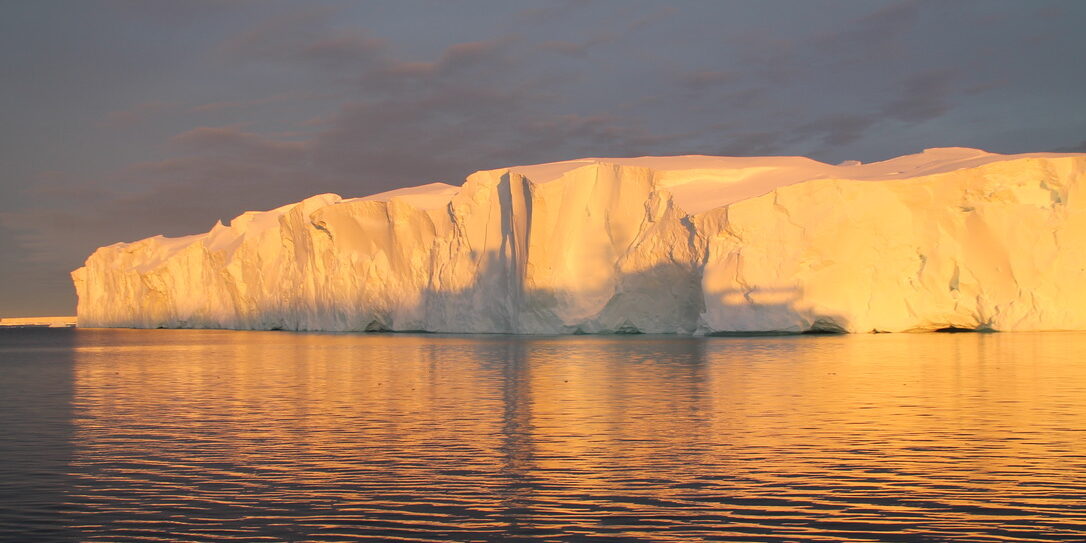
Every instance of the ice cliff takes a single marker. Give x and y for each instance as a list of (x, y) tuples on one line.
[(948, 238)]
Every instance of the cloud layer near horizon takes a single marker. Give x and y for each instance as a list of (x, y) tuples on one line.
[(130, 119)]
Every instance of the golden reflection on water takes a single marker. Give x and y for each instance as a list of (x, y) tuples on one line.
[(283, 436)]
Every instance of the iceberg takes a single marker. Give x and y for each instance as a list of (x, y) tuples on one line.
[(949, 238)]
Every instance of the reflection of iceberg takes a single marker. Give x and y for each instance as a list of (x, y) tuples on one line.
[(946, 238)]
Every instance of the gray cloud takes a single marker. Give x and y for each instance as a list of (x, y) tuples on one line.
[(1080, 147), (753, 144), (218, 106), (137, 114), (287, 36), (23, 283), (550, 12), (877, 37), (841, 129), (924, 96), (703, 79), (612, 33)]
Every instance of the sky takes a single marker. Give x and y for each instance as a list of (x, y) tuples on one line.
[(125, 119)]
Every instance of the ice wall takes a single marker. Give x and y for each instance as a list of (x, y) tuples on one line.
[(946, 238)]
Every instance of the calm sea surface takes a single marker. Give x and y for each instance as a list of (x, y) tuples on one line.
[(127, 435)]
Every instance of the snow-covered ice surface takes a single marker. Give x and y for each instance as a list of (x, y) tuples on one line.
[(947, 238)]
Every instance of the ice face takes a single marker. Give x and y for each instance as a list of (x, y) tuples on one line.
[(947, 238)]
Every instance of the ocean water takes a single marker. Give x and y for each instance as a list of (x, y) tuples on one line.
[(191, 435)]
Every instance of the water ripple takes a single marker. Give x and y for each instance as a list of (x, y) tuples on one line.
[(119, 435)]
